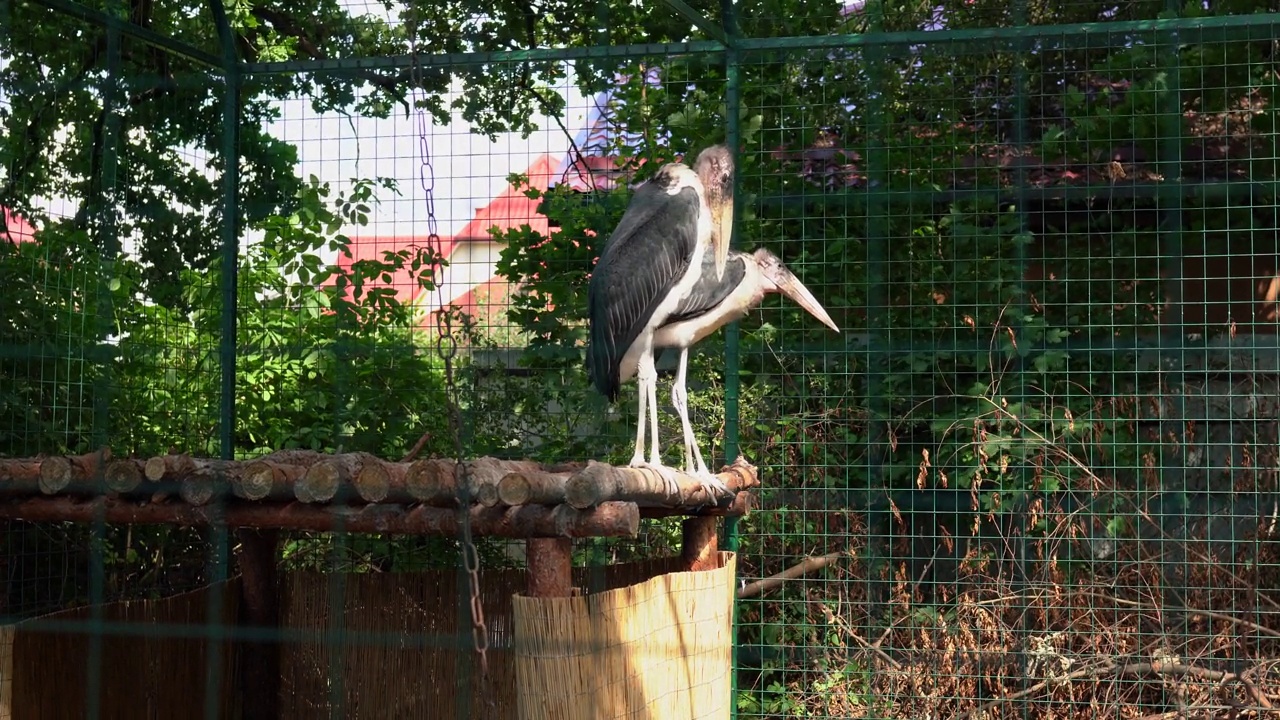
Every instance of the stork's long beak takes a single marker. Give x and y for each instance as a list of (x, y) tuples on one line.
[(788, 284), (722, 237)]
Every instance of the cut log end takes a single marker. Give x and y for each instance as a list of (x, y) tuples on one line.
[(431, 482), (373, 483), (197, 489), (487, 495), (256, 481), (514, 489), (55, 475), (123, 476), (520, 488), (320, 483), (154, 469)]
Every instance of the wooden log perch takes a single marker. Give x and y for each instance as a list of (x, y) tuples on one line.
[(268, 478), (21, 476), (168, 467), (484, 474), (532, 487), (326, 477), (210, 479), (431, 482), (611, 519), (383, 482), (125, 476), (73, 474), (599, 483), (743, 503), (318, 478)]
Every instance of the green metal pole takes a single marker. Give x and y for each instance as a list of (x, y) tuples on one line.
[(732, 362), (108, 246), (1174, 333), (1018, 360), (733, 138), (1231, 28), (218, 535), (877, 242), (230, 244)]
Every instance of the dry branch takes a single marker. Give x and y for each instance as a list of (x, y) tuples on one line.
[(1110, 669), (613, 519), (599, 483), (799, 570)]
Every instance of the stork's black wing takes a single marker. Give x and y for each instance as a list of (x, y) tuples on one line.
[(709, 292), (643, 259)]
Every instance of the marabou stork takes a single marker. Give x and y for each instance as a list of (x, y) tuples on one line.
[(667, 278)]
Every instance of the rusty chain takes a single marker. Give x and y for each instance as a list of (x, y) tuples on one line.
[(447, 350)]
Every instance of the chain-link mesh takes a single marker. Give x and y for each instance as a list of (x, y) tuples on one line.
[(1032, 476)]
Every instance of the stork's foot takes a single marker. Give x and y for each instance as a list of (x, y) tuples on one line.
[(667, 474), (713, 486)]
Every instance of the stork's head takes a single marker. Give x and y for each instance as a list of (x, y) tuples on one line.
[(715, 169), (777, 278)]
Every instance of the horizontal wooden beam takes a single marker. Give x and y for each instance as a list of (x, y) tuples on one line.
[(613, 519), (599, 483), (357, 478)]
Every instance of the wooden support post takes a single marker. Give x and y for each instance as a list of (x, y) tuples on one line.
[(550, 567), (260, 610), (699, 543)]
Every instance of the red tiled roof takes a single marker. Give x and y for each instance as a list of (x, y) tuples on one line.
[(510, 209), (17, 230), (374, 247)]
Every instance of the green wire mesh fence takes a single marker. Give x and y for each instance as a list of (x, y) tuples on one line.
[(1033, 476)]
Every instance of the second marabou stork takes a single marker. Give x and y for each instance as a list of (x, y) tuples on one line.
[(667, 278)]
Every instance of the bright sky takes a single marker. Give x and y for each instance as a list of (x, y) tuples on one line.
[(469, 169)]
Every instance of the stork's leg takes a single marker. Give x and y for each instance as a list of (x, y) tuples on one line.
[(642, 397), (655, 457), (692, 454), (680, 399), (647, 388)]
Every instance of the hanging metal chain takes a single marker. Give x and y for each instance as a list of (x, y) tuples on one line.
[(447, 350)]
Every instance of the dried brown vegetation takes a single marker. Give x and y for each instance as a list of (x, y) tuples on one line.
[(1132, 636)]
